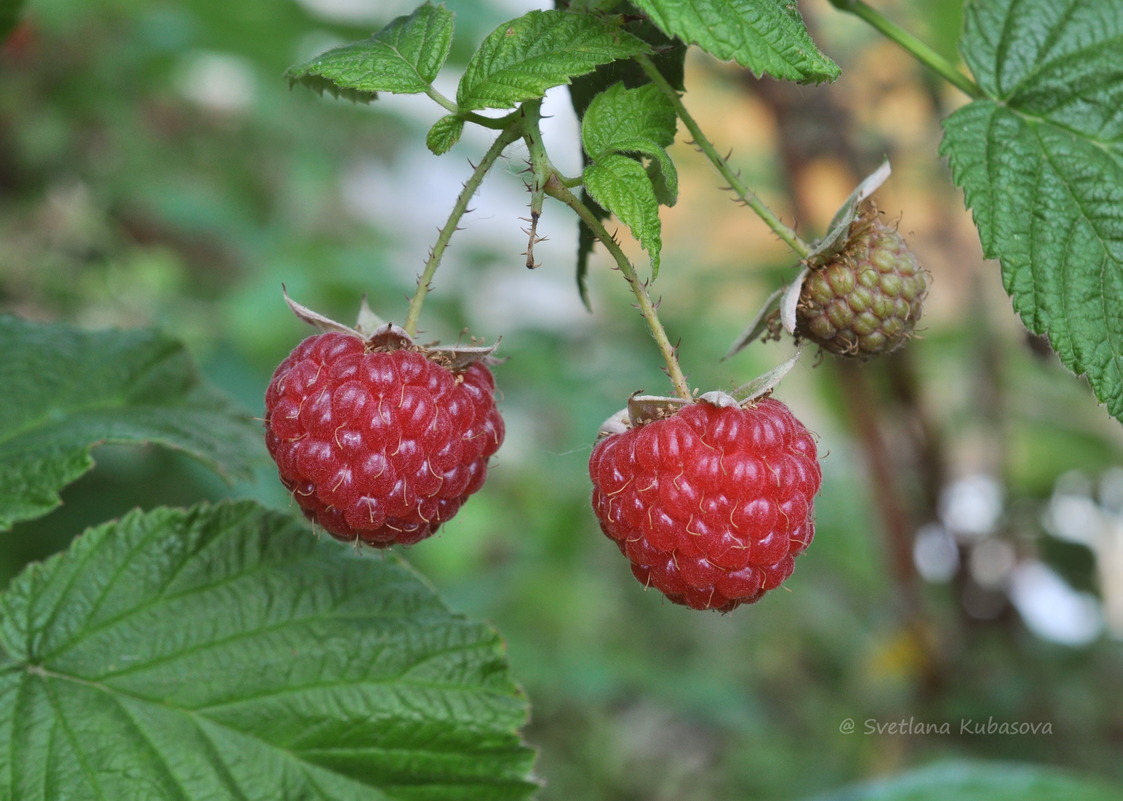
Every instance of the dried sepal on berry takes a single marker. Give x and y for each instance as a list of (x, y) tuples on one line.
[(381, 335), (642, 409)]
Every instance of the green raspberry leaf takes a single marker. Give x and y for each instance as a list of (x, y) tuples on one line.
[(980, 781), (619, 114), (226, 652), (1040, 161), (765, 36), (69, 389), (621, 185), (444, 134), (666, 53), (404, 58), (523, 58), (640, 121), (668, 56)]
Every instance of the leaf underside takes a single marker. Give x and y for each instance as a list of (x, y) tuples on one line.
[(226, 652), (1040, 161), (69, 390)]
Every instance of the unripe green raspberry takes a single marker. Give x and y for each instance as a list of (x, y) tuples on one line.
[(867, 300)]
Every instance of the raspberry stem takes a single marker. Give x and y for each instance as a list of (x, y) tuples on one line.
[(556, 188), (495, 123), (743, 193), (913, 46), (540, 169), (459, 209)]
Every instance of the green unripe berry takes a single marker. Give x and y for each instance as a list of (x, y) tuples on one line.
[(867, 300)]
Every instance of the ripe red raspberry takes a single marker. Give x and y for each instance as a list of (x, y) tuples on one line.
[(375, 439), (712, 504)]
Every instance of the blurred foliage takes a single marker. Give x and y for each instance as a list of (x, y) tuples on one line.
[(156, 169)]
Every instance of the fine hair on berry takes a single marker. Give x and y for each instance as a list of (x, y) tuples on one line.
[(379, 444), (712, 504)]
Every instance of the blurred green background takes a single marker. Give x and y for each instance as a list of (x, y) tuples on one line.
[(155, 169)]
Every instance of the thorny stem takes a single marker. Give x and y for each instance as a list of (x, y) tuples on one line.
[(505, 138), (913, 46), (557, 190), (743, 193), (541, 170)]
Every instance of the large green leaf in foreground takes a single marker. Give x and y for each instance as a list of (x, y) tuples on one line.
[(981, 781), (67, 389), (1040, 160), (226, 652)]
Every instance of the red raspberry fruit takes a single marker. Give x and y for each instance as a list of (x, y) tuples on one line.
[(712, 504), (379, 443)]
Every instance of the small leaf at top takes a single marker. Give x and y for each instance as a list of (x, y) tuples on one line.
[(227, 652), (789, 301), (765, 36), (444, 134), (640, 122), (69, 389), (620, 185), (668, 55), (404, 57), (1040, 162), (367, 322), (619, 117), (320, 321), (523, 58)]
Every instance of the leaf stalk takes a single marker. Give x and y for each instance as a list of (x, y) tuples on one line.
[(739, 188), (912, 45)]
